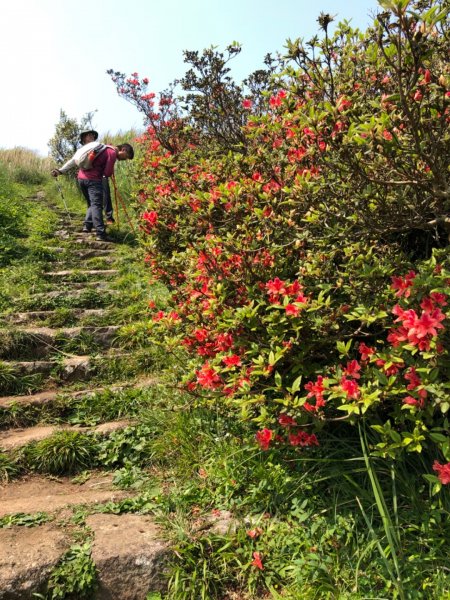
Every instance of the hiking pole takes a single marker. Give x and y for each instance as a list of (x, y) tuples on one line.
[(63, 199), (115, 204), (122, 203)]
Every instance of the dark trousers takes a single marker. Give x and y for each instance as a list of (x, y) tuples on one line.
[(107, 198), (93, 192)]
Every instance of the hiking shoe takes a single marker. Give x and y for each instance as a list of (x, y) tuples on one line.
[(86, 230), (104, 238)]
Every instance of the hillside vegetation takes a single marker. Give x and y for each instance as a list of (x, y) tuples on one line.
[(291, 295)]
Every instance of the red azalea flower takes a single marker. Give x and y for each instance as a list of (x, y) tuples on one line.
[(443, 472), (232, 361), (264, 437), (413, 378), (414, 401), (403, 284), (208, 377), (247, 104), (301, 438), (286, 421), (150, 217), (365, 351), (352, 369), (292, 310), (438, 298), (350, 387)]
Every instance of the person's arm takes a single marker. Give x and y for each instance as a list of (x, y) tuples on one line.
[(66, 167)]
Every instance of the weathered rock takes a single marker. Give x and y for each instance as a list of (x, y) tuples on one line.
[(27, 557), (129, 554), (77, 368)]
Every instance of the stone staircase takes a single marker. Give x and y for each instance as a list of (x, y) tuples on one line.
[(47, 364)]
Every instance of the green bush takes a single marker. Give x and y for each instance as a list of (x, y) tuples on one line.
[(306, 252)]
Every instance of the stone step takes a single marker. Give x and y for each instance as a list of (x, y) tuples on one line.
[(79, 288), (128, 551), (92, 253), (77, 368), (49, 396), (75, 297), (68, 371), (42, 341), (93, 243), (12, 439), (75, 273), (37, 493), (43, 315)]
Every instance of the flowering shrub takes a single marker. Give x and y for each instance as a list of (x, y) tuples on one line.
[(296, 289)]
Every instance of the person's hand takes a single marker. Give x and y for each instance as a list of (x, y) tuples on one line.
[(55, 172)]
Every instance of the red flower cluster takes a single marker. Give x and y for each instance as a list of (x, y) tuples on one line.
[(443, 472), (264, 438), (415, 330), (315, 390), (150, 217), (278, 289)]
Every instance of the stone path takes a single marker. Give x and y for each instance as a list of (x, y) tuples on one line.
[(55, 364)]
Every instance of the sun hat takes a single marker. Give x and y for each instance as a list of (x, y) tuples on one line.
[(86, 131)]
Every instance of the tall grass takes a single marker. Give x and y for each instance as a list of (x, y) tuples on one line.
[(25, 166)]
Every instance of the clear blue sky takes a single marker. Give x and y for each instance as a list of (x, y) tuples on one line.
[(55, 53)]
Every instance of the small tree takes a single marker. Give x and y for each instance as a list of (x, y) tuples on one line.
[(65, 141)]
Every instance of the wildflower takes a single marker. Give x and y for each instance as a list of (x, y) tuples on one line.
[(254, 533), (257, 562), (315, 389), (247, 104), (275, 101), (443, 472)]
